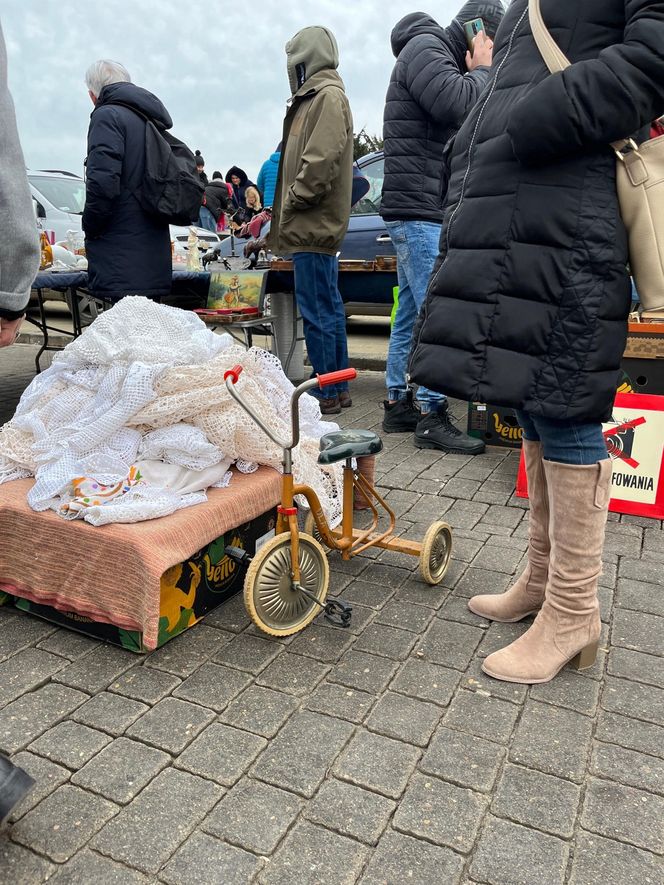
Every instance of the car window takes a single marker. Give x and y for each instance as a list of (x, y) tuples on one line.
[(370, 204), (66, 194)]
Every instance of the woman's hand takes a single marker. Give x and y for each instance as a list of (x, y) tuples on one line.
[(9, 331)]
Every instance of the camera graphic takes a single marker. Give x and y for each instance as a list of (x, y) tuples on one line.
[(620, 443)]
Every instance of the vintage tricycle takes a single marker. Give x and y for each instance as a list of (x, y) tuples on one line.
[(287, 580)]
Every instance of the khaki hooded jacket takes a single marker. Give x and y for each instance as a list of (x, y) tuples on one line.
[(313, 192)]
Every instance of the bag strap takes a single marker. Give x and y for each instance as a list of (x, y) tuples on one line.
[(556, 60)]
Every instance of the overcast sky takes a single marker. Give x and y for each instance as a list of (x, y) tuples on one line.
[(218, 67)]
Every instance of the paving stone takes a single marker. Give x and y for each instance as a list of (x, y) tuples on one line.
[(499, 636), (569, 689), (609, 575), (389, 642), (259, 710), (633, 699), (465, 514), (479, 580), (26, 671), (20, 634), (47, 776), (147, 831), (537, 800), (95, 671), (213, 686), (641, 570), (441, 813), (205, 859), (400, 858), (455, 608), (352, 567), (628, 767), (417, 592), (314, 856), (295, 674), (628, 664), (508, 854), (428, 682), (31, 715), (186, 652), (341, 701), (231, 615), (351, 811), (70, 744), (363, 671), (69, 644), (489, 718), (322, 643), (88, 866), (476, 680), (361, 617), (463, 759), (254, 816), (624, 813), (171, 724), (598, 861), (638, 631), (404, 718), (461, 488), (552, 740), (498, 559), (465, 547), (643, 737), (299, 757), (247, 652), (451, 645), (121, 770), (22, 867), (110, 712), (360, 592), (377, 763), (144, 684), (63, 822), (222, 753), (405, 615)]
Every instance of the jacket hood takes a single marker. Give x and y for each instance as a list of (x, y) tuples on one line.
[(275, 157), (136, 97), (311, 50), (490, 11), (414, 25), (241, 174)]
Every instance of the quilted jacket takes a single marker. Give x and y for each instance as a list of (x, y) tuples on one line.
[(528, 303), (429, 96)]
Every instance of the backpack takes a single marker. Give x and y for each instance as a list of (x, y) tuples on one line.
[(172, 190)]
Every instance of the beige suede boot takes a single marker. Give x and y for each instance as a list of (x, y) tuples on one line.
[(568, 626), (526, 595)]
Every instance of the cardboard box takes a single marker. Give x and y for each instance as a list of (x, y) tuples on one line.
[(496, 425)]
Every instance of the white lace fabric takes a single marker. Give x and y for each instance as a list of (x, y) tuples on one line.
[(145, 382)]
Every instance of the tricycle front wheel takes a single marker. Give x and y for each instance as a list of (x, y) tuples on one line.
[(273, 604), (436, 552)]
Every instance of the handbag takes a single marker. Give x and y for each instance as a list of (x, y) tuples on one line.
[(640, 184)]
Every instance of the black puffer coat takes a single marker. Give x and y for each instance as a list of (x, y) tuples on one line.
[(429, 96), (129, 252), (528, 303), (217, 198)]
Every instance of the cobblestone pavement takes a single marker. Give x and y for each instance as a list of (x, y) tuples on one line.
[(375, 755)]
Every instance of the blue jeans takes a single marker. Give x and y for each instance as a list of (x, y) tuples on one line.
[(416, 245), (319, 301), (566, 442), (206, 219)]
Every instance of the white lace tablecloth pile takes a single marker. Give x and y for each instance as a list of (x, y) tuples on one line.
[(133, 420)]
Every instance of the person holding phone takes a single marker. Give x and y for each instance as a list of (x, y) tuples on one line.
[(438, 76), (529, 301)]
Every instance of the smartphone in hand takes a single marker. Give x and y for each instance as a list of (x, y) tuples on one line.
[(471, 30)]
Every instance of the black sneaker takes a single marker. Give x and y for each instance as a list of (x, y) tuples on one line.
[(401, 416), (436, 431)]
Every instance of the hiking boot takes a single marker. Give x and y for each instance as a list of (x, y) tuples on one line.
[(345, 400), (401, 416), (435, 430), (329, 405)]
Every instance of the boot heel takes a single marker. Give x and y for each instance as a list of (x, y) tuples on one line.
[(586, 657)]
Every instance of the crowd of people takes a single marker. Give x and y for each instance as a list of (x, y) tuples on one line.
[(500, 199)]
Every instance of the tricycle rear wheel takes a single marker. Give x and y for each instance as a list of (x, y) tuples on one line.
[(436, 552)]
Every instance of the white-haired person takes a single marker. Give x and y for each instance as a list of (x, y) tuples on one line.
[(128, 250)]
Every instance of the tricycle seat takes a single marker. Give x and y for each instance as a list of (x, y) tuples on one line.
[(344, 444)]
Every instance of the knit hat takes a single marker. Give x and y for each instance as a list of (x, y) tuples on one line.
[(490, 11), (199, 159)]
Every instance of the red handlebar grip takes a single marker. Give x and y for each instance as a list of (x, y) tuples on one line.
[(336, 377), (233, 373)]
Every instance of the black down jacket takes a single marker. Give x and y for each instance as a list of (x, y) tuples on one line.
[(217, 198), (528, 303), (128, 251), (429, 96)]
